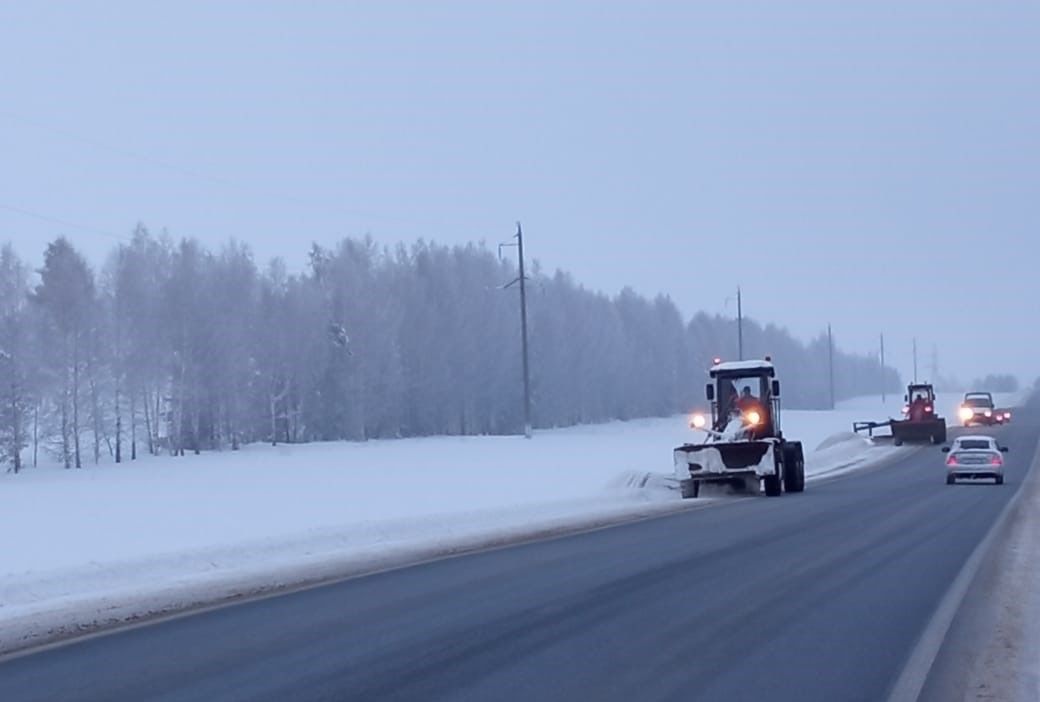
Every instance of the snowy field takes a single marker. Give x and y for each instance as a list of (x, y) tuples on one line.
[(83, 548)]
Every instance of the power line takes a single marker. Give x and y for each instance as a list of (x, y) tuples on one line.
[(201, 176), (63, 222)]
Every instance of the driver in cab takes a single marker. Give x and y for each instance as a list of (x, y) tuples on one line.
[(747, 404), (918, 408)]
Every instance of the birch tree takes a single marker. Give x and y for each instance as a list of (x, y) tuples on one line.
[(65, 296), (16, 360)]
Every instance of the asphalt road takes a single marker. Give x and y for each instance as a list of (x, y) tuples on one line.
[(820, 596)]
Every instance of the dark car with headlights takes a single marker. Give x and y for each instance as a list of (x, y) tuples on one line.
[(978, 409)]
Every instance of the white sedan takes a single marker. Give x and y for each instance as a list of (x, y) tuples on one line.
[(975, 457)]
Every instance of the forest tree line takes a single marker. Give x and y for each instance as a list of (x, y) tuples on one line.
[(172, 348)]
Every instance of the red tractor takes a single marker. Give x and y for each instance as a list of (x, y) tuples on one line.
[(921, 421)]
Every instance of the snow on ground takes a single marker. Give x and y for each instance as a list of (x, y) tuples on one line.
[(82, 547), (1005, 662)]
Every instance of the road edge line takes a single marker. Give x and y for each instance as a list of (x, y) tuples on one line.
[(915, 673)]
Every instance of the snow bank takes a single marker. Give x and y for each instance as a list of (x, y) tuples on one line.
[(843, 452), (85, 549)]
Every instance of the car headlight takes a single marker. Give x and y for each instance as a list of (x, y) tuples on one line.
[(753, 418), (965, 413), (698, 421), (988, 413)]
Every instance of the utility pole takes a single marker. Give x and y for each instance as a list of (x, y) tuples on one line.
[(523, 333), (830, 361), (882, 368), (522, 279), (915, 359), (740, 327)]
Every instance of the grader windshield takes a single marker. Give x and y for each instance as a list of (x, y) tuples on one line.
[(743, 392)]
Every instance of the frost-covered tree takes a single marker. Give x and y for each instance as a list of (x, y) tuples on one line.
[(16, 358), (66, 299), (138, 274), (232, 286), (997, 382), (183, 349), (186, 311)]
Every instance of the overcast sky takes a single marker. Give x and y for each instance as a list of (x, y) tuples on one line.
[(874, 164)]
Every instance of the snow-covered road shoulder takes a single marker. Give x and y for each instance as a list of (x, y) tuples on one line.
[(105, 546), (39, 608), (844, 452)]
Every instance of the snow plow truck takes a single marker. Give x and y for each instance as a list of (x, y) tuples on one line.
[(743, 446), (921, 420), (920, 423)]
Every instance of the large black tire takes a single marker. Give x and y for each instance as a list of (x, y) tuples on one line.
[(689, 488), (794, 468), (950, 480), (1000, 480), (773, 484), (940, 435)]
